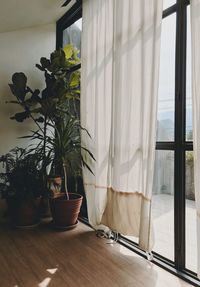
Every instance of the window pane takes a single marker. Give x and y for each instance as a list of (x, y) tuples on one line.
[(163, 203), (166, 96), (168, 3), (189, 136), (191, 231), (72, 35)]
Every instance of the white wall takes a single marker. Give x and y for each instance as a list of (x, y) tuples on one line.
[(19, 52)]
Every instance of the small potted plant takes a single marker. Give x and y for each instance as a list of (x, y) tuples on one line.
[(20, 185)]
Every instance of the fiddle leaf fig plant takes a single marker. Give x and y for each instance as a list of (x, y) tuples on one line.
[(61, 93)]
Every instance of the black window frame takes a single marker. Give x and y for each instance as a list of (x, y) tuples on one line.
[(179, 145), (71, 16)]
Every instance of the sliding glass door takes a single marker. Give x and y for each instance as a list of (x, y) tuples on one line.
[(173, 206)]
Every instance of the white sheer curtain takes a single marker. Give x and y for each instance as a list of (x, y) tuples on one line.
[(120, 67), (195, 31)]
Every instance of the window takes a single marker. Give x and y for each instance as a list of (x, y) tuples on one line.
[(168, 3), (166, 98), (68, 31), (72, 35), (68, 28), (173, 205)]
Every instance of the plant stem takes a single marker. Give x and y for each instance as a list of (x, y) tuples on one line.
[(45, 138), (65, 176)]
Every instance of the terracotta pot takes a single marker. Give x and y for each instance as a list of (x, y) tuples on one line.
[(25, 213), (65, 212), (44, 208)]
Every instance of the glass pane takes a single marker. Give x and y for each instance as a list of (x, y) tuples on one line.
[(166, 96), (191, 231), (163, 203), (168, 3), (189, 136), (72, 35)]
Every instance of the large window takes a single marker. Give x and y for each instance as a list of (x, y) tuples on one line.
[(173, 192), (173, 201), (173, 206)]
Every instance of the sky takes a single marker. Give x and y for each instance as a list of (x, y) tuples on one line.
[(167, 69)]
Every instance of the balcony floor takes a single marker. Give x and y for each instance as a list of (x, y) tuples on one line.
[(163, 215)]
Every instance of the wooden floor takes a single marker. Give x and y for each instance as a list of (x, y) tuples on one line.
[(77, 258)]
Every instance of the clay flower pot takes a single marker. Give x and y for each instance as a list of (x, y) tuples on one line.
[(24, 213), (65, 212)]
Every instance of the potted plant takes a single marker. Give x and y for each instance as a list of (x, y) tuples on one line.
[(20, 185), (67, 148)]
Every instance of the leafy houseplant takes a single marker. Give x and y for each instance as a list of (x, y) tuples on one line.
[(55, 113), (20, 184), (47, 107)]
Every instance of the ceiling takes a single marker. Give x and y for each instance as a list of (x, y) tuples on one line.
[(19, 14)]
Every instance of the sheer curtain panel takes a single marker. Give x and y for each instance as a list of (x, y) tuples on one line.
[(120, 68)]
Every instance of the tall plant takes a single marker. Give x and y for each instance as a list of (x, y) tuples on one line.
[(48, 106)]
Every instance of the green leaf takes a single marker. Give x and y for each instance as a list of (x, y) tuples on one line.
[(46, 64), (40, 67), (20, 117), (57, 60), (89, 152), (20, 80), (68, 50), (40, 120), (75, 80), (12, 102), (35, 95), (19, 94)]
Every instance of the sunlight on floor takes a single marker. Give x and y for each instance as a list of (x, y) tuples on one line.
[(169, 280), (45, 282), (125, 251), (52, 271)]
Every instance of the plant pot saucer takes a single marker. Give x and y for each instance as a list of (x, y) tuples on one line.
[(27, 226), (46, 219), (68, 227)]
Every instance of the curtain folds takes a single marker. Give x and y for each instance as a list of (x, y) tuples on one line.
[(120, 67), (195, 33)]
